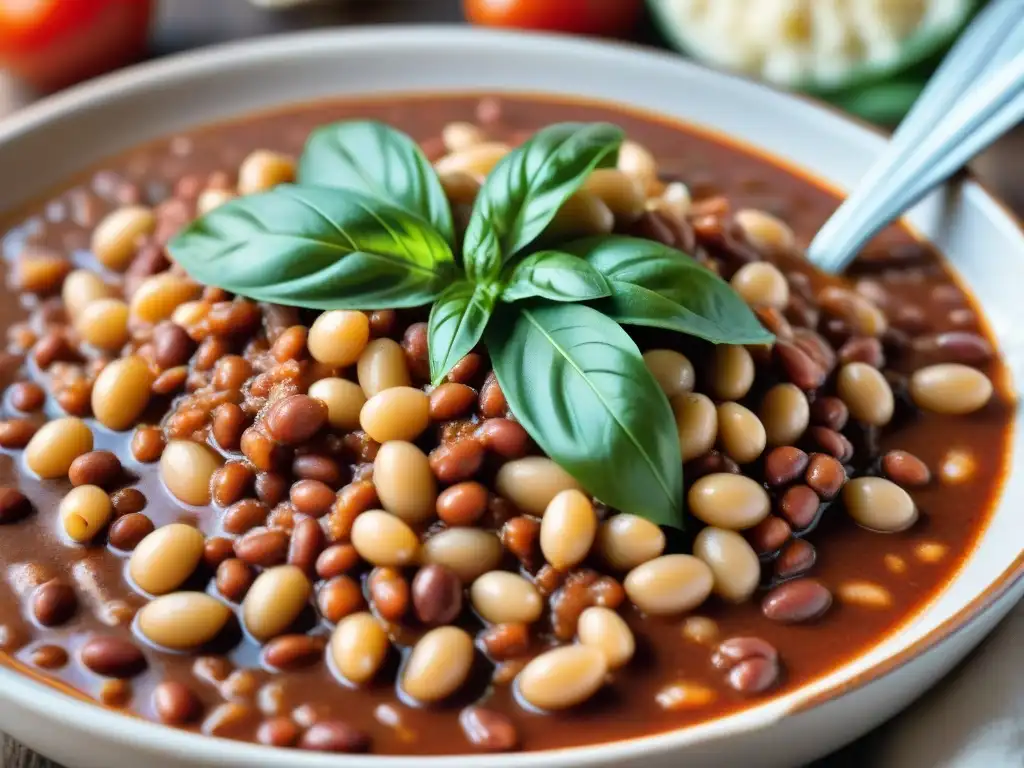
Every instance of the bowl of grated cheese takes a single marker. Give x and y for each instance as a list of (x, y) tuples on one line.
[(871, 57)]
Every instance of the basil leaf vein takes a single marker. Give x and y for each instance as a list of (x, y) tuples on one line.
[(577, 383), (456, 325), (525, 190), (318, 248), (374, 158), (555, 276), (654, 285)]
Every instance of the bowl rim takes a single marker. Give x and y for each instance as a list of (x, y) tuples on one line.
[(23, 686)]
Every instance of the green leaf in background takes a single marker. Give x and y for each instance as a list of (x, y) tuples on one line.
[(555, 276), (525, 190), (658, 286), (374, 158), (456, 325), (578, 385), (319, 248)]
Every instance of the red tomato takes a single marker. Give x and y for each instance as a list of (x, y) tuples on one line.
[(53, 43), (585, 17)]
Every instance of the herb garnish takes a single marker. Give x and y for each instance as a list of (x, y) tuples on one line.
[(368, 227)]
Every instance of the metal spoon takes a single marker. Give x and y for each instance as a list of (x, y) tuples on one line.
[(976, 95)]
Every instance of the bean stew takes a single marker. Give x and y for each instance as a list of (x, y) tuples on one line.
[(305, 525)]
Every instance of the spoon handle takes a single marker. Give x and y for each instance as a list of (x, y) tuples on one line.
[(976, 95)]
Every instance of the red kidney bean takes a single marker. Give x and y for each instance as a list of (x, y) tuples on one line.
[(462, 504), (769, 535), (436, 595), (799, 506), (414, 343), (830, 412), (172, 345), (27, 396), (322, 468), (521, 537), (336, 560), (128, 530), (278, 732), (952, 347), (112, 657), (271, 488), (796, 601), (312, 497), (233, 579), (784, 465), (148, 443), (263, 548), (795, 559), (231, 483), (51, 348), (799, 367), (127, 500), (53, 603), (712, 462), (293, 651), (389, 593), (905, 469), (650, 226), (492, 400), (216, 550), (450, 401), (49, 656), (506, 641), (751, 664), (295, 419), (454, 462), (816, 348), (825, 475), (863, 349), (229, 422), (362, 446), (831, 442), (339, 597), (307, 541), (800, 312), (489, 730), (334, 736), (95, 468), (466, 369), (263, 454), (14, 506), (504, 437), (245, 515), (772, 319), (499, 512), (15, 433), (175, 703), (383, 322)]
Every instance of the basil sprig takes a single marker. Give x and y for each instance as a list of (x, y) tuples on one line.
[(368, 227)]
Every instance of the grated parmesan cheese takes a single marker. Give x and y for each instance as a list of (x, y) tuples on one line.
[(795, 42)]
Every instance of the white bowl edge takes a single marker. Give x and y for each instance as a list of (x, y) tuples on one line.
[(43, 144)]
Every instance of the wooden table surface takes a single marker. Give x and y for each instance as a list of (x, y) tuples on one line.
[(183, 24)]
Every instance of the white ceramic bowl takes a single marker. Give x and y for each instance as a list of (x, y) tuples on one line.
[(46, 143)]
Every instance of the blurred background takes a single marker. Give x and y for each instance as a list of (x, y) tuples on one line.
[(868, 57)]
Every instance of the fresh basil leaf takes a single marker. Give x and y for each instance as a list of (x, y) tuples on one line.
[(576, 382), (525, 190), (374, 158), (318, 248), (456, 325), (555, 276), (658, 286)]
